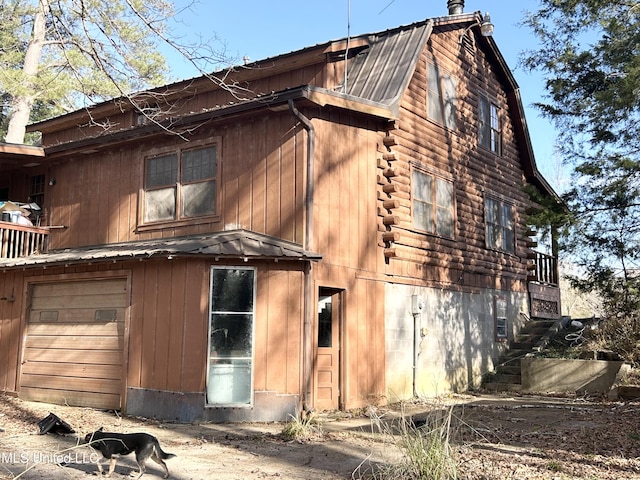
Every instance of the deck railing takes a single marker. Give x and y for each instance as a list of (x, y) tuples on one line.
[(546, 269), (21, 241)]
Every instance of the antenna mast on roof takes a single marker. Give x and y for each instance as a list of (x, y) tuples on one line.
[(346, 53)]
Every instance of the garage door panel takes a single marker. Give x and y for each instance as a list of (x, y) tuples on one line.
[(73, 370), (77, 315), (74, 348), (52, 382), (69, 397), (90, 357), (105, 300), (105, 329), (65, 289), (88, 342)]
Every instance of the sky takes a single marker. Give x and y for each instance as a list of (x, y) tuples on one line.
[(258, 29)]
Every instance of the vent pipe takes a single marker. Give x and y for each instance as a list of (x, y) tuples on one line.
[(455, 6)]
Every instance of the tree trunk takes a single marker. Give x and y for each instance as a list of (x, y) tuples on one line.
[(22, 104)]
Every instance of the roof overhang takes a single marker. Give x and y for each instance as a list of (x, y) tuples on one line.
[(14, 155), (240, 244), (305, 95)]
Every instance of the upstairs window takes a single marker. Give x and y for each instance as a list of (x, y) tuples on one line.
[(180, 185), (432, 204), (36, 190), (442, 97), (489, 128), (499, 225)]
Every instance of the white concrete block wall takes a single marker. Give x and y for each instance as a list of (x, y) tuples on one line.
[(456, 343)]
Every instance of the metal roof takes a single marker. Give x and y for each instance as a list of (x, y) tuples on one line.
[(382, 72), (233, 244)]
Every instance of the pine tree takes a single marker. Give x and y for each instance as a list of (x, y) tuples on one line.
[(590, 54), (60, 56)]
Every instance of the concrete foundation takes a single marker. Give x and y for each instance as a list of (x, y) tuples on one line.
[(190, 407)]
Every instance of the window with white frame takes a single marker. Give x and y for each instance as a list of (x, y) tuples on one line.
[(432, 203), (231, 326), (489, 128), (442, 97), (180, 185), (499, 224)]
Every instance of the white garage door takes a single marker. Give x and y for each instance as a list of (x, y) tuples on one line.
[(73, 352)]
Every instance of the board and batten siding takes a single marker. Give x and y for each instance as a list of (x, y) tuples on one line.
[(261, 174), (170, 325)]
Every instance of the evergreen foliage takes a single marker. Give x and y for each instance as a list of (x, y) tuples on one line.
[(590, 53)]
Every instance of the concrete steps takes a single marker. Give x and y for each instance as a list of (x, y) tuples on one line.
[(531, 338)]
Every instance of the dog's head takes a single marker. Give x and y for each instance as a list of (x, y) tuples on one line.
[(90, 437)]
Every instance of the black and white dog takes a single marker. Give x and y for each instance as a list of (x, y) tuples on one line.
[(112, 445)]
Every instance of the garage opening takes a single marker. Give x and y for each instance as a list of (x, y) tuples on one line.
[(73, 353)]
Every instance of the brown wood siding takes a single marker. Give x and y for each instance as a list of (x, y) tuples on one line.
[(262, 165), (463, 262), (170, 318), (74, 348), (168, 338), (11, 329), (278, 329), (346, 234)]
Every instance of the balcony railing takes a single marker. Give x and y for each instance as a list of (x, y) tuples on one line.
[(21, 241), (544, 269)]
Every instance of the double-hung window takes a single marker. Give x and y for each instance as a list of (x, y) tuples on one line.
[(432, 203), (499, 225), (180, 185), (489, 128), (442, 97), (231, 326)]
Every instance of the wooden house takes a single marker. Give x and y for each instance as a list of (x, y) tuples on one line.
[(348, 228)]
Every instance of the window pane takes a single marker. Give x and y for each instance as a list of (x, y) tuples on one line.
[(229, 383), (508, 241), (199, 199), (160, 204), (161, 171), (423, 216), (232, 290), (444, 213), (325, 334), (484, 128), (434, 99), (450, 101), (444, 193), (198, 164), (422, 188), (231, 336)]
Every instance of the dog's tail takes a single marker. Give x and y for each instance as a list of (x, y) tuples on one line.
[(161, 453)]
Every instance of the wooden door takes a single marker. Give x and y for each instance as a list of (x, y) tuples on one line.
[(328, 350)]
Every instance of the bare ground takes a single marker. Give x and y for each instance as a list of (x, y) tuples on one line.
[(495, 437)]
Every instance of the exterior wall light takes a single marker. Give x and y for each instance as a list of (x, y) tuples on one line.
[(486, 27)]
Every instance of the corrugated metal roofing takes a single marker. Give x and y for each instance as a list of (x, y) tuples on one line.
[(382, 72), (241, 244)]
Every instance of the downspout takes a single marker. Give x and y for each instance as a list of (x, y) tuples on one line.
[(307, 329)]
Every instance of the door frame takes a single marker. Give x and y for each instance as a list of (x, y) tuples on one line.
[(338, 322)]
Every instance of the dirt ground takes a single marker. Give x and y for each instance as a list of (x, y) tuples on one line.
[(495, 437)]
